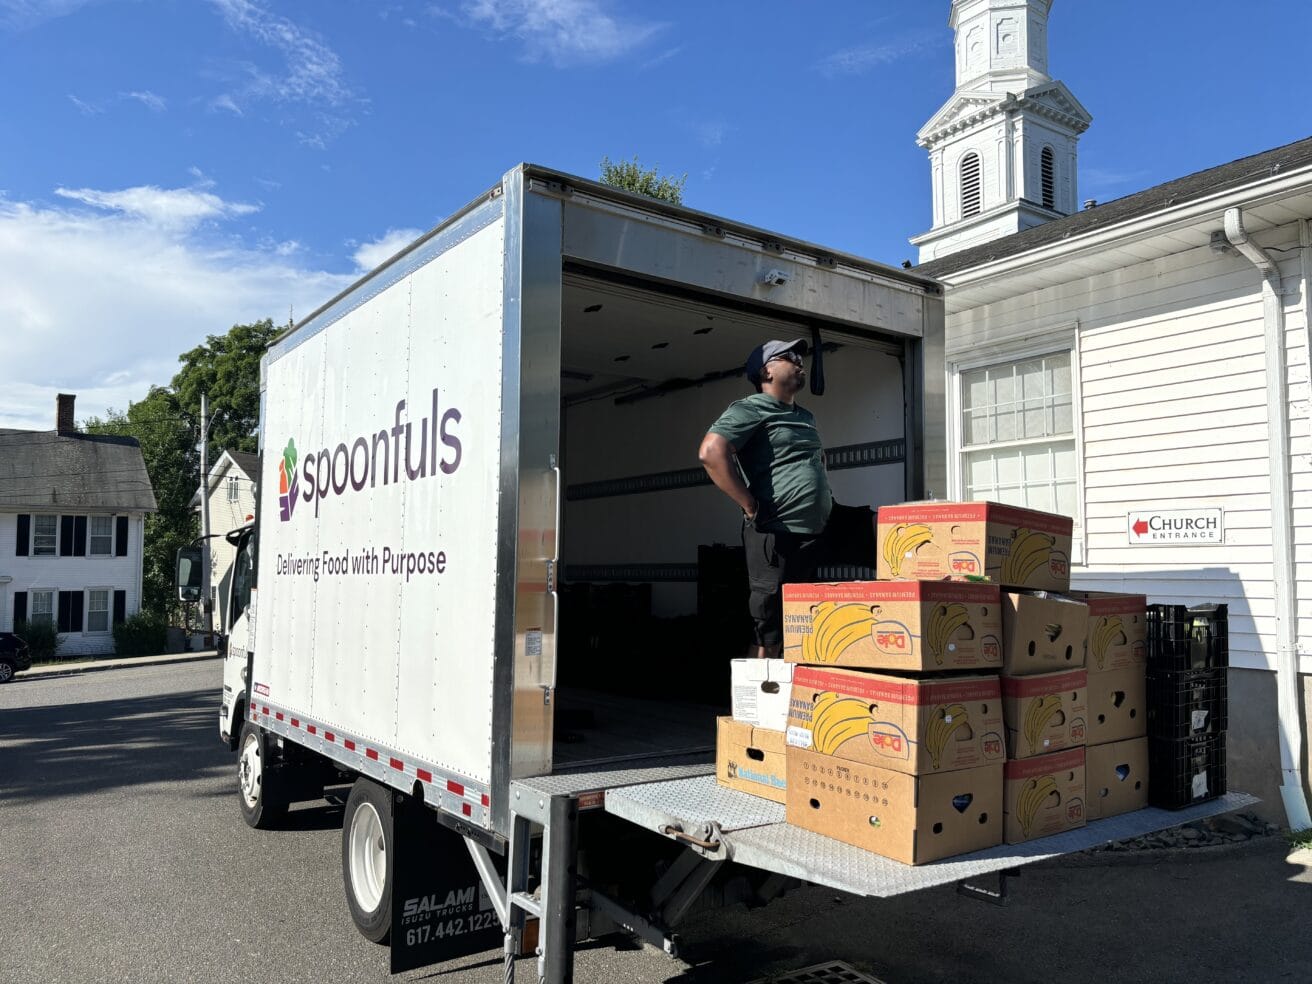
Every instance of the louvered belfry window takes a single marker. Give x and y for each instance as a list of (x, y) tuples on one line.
[(971, 186), (1048, 176)]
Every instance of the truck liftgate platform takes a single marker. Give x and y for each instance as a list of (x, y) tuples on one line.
[(679, 799)]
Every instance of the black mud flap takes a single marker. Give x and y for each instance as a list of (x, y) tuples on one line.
[(440, 909)]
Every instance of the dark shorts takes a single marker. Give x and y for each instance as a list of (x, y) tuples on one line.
[(775, 559)]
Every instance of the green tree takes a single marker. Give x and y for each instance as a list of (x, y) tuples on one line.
[(632, 176), (167, 426)]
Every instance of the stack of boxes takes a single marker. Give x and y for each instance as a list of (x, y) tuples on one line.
[(749, 747), (1188, 657), (1119, 711)]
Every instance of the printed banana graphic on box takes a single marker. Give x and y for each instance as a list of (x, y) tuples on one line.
[(1044, 795), (1045, 713), (1021, 548), (1118, 629), (893, 625), (911, 726)]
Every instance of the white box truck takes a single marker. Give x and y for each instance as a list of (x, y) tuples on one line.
[(512, 403)]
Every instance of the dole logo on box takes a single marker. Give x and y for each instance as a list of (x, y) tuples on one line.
[(893, 638), (963, 562)]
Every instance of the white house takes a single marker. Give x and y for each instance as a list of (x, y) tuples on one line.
[(231, 491), (72, 516), (1150, 355)]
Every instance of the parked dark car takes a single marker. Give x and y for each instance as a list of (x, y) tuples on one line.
[(14, 656)]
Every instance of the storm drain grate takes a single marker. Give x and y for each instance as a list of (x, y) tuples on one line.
[(835, 972)]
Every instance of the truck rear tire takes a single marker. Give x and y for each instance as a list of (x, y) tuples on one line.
[(259, 786), (368, 858)]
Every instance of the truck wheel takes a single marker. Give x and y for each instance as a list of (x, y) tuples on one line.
[(367, 859), (262, 799)]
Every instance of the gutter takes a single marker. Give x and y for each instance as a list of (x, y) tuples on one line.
[(1290, 726)]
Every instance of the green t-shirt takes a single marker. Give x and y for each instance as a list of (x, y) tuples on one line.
[(779, 450)]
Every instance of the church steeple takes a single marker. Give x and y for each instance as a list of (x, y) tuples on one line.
[(1003, 149)]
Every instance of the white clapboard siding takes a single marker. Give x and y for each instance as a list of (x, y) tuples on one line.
[(1172, 388)]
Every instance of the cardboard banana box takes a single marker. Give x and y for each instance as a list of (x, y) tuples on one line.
[(912, 819), (914, 726), (1118, 705), (1044, 795), (1117, 778), (1042, 633), (750, 759), (894, 625), (1017, 548), (760, 689), (1118, 629), (1045, 713)]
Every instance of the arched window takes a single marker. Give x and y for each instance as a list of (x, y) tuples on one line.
[(971, 186), (1048, 177)]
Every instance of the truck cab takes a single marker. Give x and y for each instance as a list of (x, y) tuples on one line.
[(236, 635)]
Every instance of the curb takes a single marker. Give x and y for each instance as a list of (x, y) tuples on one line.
[(46, 673)]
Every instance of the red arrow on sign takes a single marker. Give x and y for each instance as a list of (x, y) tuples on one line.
[(1140, 527)]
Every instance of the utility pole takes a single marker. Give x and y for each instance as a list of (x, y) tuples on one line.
[(206, 603)]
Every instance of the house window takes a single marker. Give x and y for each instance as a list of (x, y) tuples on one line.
[(971, 186), (42, 608), (98, 610), (1018, 434), (234, 488), (1048, 177), (45, 535), (100, 537)]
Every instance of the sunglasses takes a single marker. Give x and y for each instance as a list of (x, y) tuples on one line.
[(792, 357)]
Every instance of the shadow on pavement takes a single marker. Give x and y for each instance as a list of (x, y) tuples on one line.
[(74, 748)]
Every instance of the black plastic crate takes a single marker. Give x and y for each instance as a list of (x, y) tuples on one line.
[(1184, 638), (1182, 772), (1187, 703)]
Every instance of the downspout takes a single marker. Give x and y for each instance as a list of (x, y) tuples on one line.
[(1290, 727)]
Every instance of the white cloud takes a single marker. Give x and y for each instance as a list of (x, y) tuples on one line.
[(28, 13), (100, 303), (369, 255), (166, 208), (85, 108), (313, 70), (860, 59), (154, 103), (564, 32), (226, 103)]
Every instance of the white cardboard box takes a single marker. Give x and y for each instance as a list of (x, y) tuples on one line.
[(761, 690)]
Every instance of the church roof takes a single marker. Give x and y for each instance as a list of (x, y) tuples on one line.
[(1168, 195)]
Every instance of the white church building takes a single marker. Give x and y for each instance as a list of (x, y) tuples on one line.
[(1131, 359)]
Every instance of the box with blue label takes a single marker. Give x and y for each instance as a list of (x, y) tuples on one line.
[(750, 759)]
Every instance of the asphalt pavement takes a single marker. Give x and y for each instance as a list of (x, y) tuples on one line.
[(123, 857)]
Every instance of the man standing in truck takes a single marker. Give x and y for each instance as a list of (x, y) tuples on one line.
[(778, 480)]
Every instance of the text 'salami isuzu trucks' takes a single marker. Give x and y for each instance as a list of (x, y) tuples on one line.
[(526, 387)]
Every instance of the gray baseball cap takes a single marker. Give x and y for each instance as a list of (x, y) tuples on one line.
[(770, 350)]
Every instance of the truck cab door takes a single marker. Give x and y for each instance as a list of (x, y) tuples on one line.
[(238, 639)]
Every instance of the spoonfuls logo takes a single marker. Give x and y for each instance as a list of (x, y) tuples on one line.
[(287, 481)]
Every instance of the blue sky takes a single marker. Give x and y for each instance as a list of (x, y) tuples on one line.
[(170, 167)]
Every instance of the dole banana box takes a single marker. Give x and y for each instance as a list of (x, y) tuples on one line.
[(1118, 629), (1042, 632), (750, 759), (1117, 778), (912, 819), (916, 726), (1044, 795), (1014, 547), (894, 625), (1118, 705), (1045, 713)]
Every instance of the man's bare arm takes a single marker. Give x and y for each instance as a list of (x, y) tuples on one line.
[(716, 456)]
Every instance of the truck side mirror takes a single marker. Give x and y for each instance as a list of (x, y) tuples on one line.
[(189, 573)]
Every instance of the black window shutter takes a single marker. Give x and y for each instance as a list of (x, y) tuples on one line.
[(75, 617), (65, 611), (79, 536), (120, 607), (20, 607), (66, 536), (120, 536), (24, 535)]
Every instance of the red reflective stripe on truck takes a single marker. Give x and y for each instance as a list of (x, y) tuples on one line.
[(278, 715), (330, 736), (486, 801), (252, 705), (350, 745), (396, 764), (295, 723), (455, 787), (424, 775), (370, 753), (466, 809), (265, 712), (311, 729)]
